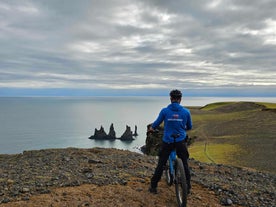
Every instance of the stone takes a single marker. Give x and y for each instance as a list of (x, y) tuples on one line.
[(229, 201), (25, 190), (5, 200), (226, 201)]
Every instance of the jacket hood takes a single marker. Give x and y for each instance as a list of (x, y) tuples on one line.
[(175, 106)]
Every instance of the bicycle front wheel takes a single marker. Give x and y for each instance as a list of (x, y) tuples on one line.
[(180, 184)]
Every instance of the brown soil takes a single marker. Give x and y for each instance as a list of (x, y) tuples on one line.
[(133, 194)]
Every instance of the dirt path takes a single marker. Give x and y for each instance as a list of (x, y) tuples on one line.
[(134, 194)]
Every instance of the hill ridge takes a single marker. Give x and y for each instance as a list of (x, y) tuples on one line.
[(228, 107), (236, 133)]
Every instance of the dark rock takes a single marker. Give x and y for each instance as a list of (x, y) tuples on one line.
[(127, 135), (267, 109), (91, 161), (89, 175), (226, 201), (112, 133), (85, 204), (26, 198), (154, 141), (101, 134), (135, 132), (5, 200), (86, 170)]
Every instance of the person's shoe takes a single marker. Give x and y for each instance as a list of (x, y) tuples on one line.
[(188, 191), (189, 187), (153, 190)]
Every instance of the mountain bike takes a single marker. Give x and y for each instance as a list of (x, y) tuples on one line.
[(175, 174)]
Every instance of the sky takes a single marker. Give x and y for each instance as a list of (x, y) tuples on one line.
[(137, 47)]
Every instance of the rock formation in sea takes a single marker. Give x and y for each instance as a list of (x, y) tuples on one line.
[(112, 133), (127, 135), (102, 135), (135, 131), (99, 134)]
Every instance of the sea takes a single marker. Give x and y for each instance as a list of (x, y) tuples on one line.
[(33, 123)]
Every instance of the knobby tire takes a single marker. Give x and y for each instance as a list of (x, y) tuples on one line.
[(169, 177), (180, 184)]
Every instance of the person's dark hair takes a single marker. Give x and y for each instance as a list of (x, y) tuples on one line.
[(175, 94)]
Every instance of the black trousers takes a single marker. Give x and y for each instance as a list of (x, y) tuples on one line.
[(182, 153)]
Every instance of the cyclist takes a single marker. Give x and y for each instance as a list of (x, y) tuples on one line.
[(177, 120)]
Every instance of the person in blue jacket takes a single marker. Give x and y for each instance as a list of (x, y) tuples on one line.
[(177, 120)]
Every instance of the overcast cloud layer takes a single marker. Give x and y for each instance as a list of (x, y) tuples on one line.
[(213, 47)]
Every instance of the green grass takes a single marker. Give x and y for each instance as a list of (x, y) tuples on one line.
[(213, 106), (268, 105), (213, 153), (237, 133)]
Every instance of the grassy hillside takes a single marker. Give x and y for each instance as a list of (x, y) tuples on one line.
[(236, 133)]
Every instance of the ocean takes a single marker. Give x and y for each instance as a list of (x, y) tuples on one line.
[(31, 123)]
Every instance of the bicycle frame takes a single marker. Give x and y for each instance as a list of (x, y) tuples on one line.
[(172, 159), (175, 174)]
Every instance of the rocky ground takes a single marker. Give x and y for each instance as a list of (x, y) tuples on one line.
[(110, 177)]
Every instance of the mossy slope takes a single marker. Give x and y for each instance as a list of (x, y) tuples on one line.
[(237, 133)]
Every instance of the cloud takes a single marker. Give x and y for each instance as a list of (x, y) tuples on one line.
[(137, 45)]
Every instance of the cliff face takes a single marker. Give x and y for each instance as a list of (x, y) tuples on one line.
[(110, 177), (153, 142)]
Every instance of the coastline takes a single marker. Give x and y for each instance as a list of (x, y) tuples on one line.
[(29, 123)]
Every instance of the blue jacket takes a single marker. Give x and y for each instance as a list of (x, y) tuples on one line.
[(177, 120)]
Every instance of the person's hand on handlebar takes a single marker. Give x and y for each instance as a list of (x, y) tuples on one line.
[(150, 129)]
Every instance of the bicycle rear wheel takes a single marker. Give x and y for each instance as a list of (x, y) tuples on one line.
[(180, 184), (169, 177)]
